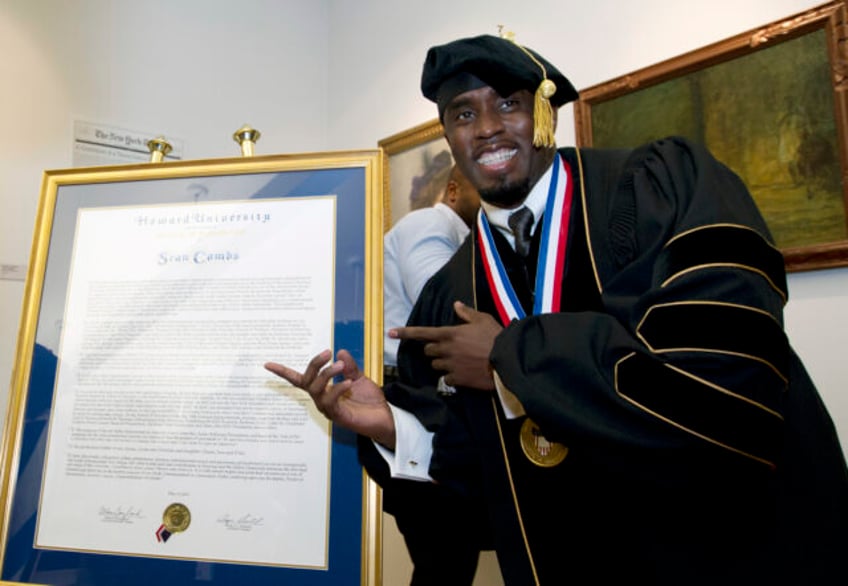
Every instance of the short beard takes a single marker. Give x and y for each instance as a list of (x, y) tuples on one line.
[(506, 195)]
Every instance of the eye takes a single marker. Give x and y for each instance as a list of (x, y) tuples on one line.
[(509, 104), (463, 115)]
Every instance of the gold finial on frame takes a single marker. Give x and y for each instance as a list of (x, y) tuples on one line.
[(158, 147), (246, 137)]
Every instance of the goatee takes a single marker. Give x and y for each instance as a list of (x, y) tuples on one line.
[(507, 195)]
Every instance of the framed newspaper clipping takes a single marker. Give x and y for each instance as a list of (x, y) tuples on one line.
[(145, 443)]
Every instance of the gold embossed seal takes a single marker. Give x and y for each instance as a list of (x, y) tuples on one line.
[(176, 517), (539, 449)]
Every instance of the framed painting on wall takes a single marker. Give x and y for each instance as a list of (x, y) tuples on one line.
[(145, 442), (771, 103), (416, 166)]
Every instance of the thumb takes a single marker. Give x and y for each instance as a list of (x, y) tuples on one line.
[(351, 369), (465, 313)]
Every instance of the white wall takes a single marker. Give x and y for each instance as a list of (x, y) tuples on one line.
[(324, 75), (377, 47), (192, 69)]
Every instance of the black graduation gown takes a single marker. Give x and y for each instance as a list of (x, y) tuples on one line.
[(699, 449)]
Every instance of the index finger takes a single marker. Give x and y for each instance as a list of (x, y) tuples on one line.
[(422, 333), (294, 377), (282, 371)]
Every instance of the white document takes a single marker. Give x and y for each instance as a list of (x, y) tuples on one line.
[(167, 436)]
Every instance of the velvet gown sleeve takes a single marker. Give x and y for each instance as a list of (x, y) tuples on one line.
[(687, 367), (689, 348)]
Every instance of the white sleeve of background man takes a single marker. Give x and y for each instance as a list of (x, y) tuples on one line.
[(427, 240)]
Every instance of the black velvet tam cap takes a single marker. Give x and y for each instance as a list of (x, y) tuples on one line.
[(498, 62)]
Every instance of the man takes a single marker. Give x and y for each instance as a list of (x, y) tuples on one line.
[(419, 244), (626, 406)]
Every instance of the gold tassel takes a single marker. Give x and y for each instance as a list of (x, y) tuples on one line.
[(543, 115), (543, 112)]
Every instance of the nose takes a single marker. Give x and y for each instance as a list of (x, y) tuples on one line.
[(488, 122)]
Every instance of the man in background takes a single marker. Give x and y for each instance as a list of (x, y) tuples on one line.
[(418, 245), (428, 187)]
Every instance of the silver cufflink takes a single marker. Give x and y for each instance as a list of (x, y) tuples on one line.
[(444, 388)]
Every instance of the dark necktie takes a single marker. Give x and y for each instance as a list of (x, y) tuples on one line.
[(520, 222)]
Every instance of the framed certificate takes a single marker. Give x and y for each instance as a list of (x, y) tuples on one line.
[(144, 441)]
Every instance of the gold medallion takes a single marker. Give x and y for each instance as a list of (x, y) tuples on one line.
[(538, 449), (176, 517)]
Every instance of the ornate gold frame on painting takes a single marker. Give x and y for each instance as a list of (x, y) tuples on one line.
[(830, 18), (403, 143)]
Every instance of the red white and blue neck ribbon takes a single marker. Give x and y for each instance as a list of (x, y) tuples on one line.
[(551, 252)]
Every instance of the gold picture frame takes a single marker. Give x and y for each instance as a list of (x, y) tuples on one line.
[(771, 103), (411, 157), (189, 206)]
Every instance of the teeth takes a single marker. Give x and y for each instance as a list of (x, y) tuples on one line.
[(496, 157)]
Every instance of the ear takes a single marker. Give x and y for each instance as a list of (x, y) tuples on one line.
[(451, 192)]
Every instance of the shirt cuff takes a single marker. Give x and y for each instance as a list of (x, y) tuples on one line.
[(413, 448), (512, 407)]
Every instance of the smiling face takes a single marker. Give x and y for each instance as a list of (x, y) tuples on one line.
[(491, 138)]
